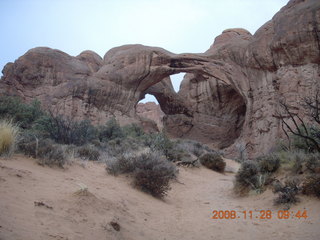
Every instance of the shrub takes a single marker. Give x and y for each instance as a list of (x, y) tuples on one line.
[(311, 185), (133, 130), (51, 154), (193, 147), (8, 137), (246, 177), (89, 152), (24, 114), (45, 150), (313, 163), (161, 143), (120, 146), (268, 163), (110, 131), (151, 173), (64, 130), (213, 161), (28, 144), (287, 194), (124, 163)]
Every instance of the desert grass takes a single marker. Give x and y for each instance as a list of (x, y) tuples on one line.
[(8, 137)]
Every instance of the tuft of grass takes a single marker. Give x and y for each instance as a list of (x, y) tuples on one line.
[(8, 137), (213, 161)]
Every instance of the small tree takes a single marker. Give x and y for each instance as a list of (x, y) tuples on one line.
[(308, 133)]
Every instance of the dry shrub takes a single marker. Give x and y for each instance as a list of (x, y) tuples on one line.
[(151, 173), (268, 163), (51, 154), (8, 137), (45, 150), (246, 177), (89, 152), (213, 161), (311, 185), (287, 193), (124, 163)]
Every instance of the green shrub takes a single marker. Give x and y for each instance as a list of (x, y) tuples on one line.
[(287, 193), (161, 143), (133, 130), (8, 137), (268, 163), (110, 131), (311, 185), (21, 113), (213, 161), (306, 145), (89, 152), (246, 177), (64, 130)]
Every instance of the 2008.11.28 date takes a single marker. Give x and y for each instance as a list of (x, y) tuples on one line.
[(259, 214)]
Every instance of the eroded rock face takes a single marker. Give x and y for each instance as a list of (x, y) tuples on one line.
[(228, 98)]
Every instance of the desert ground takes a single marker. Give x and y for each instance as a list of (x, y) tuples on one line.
[(82, 201)]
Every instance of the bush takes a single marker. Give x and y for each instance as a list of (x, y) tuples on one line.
[(89, 152), (51, 154), (246, 177), (193, 147), (8, 137), (110, 131), (120, 146), (21, 113), (268, 163), (133, 130), (213, 161), (28, 144), (124, 163), (45, 150), (287, 194), (65, 131), (313, 163), (151, 173), (311, 185)]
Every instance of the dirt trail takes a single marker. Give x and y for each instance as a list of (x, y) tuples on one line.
[(79, 203)]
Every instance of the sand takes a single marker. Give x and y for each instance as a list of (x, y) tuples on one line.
[(80, 202)]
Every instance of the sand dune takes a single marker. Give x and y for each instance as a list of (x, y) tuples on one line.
[(80, 203)]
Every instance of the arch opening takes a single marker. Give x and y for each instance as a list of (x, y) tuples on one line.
[(176, 80)]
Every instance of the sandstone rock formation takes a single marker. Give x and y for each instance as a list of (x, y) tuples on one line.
[(228, 98), (152, 111)]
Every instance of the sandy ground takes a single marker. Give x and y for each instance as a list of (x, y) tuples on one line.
[(47, 203)]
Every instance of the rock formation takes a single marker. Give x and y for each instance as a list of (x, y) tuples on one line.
[(152, 111), (228, 98)]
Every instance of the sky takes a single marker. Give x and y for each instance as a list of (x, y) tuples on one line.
[(73, 26)]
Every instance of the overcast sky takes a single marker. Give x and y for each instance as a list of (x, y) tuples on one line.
[(77, 25)]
